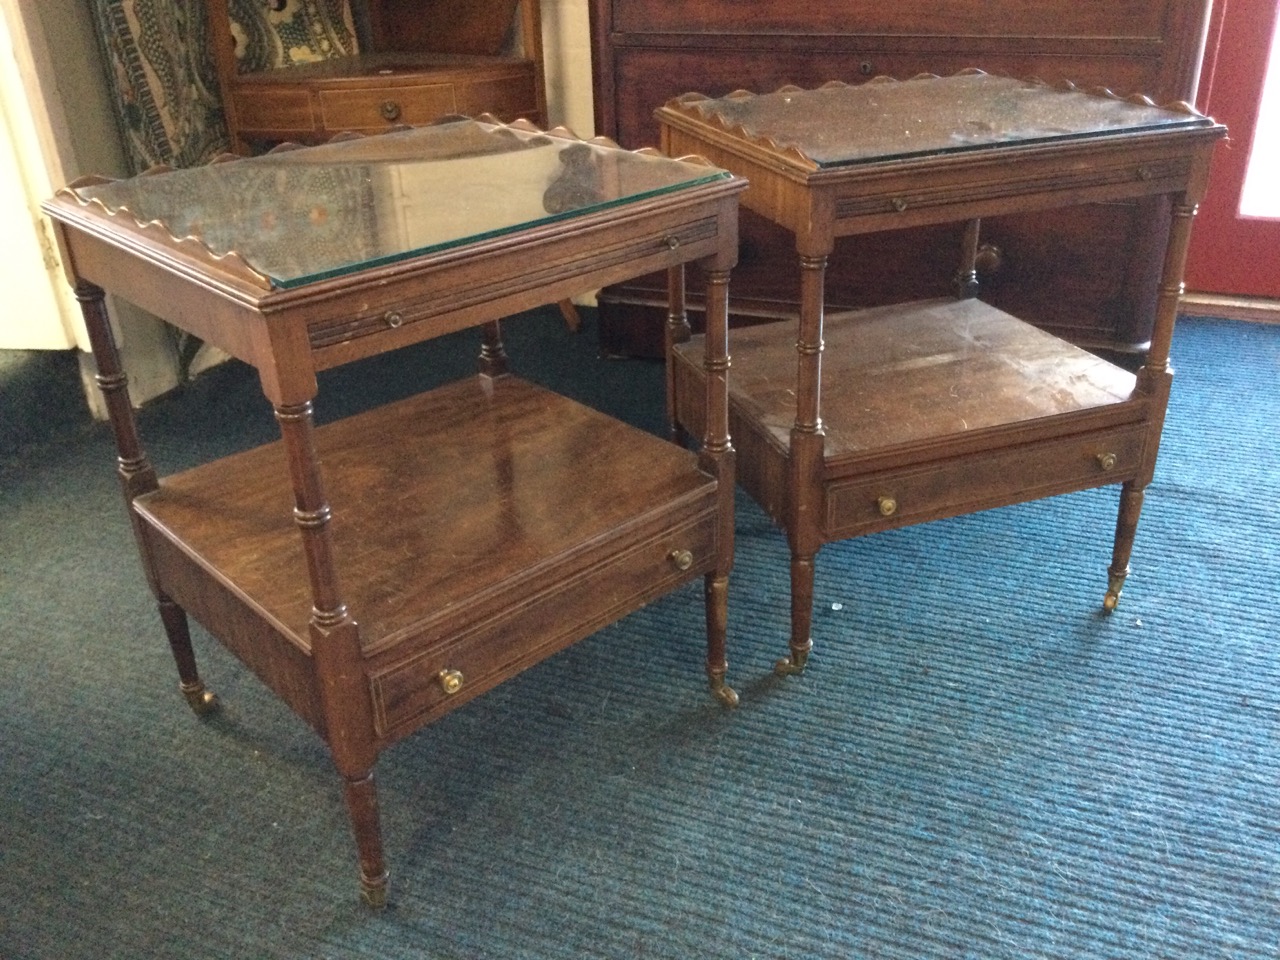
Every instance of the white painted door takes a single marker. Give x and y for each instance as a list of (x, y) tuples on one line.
[(37, 311)]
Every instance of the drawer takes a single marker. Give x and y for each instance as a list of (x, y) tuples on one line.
[(268, 109), (394, 317), (538, 622), (375, 109), (896, 498)]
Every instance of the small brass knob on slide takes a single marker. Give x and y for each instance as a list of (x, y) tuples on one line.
[(681, 559), (1106, 460), (887, 506), (393, 318), (671, 242), (450, 681), (390, 110), (988, 259)]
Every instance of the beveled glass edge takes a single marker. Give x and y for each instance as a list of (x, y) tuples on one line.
[(235, 263), (713, 175), (793, 155)]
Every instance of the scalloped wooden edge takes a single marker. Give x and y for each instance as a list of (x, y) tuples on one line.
[(686, 101), (232, 261)]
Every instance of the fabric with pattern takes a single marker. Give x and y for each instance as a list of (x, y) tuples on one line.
[(279, 33), (161, 79)]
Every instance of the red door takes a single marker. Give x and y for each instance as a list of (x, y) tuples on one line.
[(1236, 252)]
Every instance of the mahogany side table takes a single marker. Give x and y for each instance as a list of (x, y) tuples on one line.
[(904, 413), (382, 570)]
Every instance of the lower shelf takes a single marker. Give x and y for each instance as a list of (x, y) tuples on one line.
[(478, 528), (929, 409)]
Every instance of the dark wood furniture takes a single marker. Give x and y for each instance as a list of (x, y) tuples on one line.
[(419, 60), (381, 571), (1088, 274), (933, 408)]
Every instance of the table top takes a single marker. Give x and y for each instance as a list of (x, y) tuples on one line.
[(839, 125), (301, 215)]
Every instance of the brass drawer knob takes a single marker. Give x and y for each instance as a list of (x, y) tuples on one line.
[(1106, 460), (450, 681), (393, 319), (671, 242), (390, 110), (681, 559), (887, 506), (898, 204)]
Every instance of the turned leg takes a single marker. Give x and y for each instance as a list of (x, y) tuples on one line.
[(802, 569), (716, 457), (805, 465), (493, 353), (675, 331), (336, 653), (202, 701), (1126, 529), (717, 597), (361, 794), (966, 280), (137, 476)]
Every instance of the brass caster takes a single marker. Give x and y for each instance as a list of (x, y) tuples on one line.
[(723, 692), (1114, 587), (374, 892), (794, 664), (201, 701)]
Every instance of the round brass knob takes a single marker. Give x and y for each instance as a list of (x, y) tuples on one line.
[(450, 681), (898, 204), (390, 110), (888, 506), (866, 68), (1106, 460), (393, 319), (672, 242), (988, 259), (682, 559)]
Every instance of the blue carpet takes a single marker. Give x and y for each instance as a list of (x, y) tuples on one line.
[(977, 764)]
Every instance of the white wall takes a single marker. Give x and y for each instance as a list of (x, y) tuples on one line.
[(566, 38)]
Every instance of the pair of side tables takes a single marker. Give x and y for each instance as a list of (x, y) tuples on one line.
[(382, 570)]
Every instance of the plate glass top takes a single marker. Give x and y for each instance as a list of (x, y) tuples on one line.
[(890, 119), (303, 215)]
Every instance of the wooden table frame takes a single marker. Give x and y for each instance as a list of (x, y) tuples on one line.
[(798, 478), (362, 692)]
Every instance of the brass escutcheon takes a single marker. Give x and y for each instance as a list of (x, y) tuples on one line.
[(450, 681), (683, 559), (1106, 460), (390, 110), (887, 505), (393, 319)]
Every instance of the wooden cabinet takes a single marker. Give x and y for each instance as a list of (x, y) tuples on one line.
[(409, 62), (1089, 274)]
